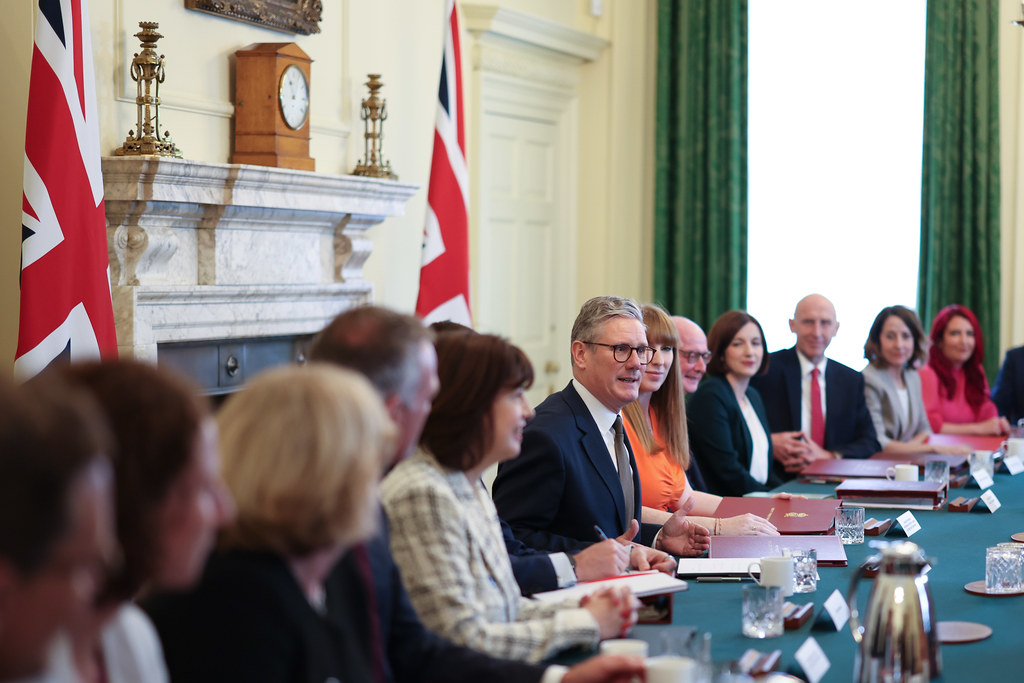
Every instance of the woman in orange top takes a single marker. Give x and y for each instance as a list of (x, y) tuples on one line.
[(656, 427)]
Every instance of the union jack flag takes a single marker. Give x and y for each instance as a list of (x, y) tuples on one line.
[(66, 312), (444, 275)]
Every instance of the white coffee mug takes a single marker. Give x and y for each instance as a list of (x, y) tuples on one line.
[(672, 669), (775, 571), (1015, 448), (901, 473), (632, 647)]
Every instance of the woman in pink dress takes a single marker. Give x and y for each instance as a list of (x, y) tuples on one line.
[(953, 381)]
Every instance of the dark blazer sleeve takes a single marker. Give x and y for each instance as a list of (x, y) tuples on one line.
[(528, 492), (1008, 391), (855, 435), (719, 438), (533, 569), (414, 654)]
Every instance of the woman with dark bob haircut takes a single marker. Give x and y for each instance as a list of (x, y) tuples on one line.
[(728, 425), (953, 382), (445, 534), (892, 385)]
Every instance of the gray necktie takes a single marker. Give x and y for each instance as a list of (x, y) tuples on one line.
[(625, 473)]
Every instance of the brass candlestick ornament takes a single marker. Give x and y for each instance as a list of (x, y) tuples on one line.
[(374, 113), (148, 73)]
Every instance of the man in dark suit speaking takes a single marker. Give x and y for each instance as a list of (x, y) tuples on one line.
[(815, 405), (576, 470)]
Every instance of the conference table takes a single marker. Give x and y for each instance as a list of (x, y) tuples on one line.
[(956, 541)]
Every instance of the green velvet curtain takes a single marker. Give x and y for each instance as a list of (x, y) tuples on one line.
[(960, 171), (700, 214)]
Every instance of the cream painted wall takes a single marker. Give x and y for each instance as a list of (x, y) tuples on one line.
[(358, 37), (1011, 71)]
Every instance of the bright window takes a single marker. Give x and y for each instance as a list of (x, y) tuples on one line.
[(836, 95)]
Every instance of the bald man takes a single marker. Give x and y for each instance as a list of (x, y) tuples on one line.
[(841, 426), (693, 352)]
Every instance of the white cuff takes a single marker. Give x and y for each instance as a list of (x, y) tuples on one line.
[(563, 569), (554, 673)]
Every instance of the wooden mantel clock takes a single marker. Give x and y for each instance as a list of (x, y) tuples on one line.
[(272, 106)]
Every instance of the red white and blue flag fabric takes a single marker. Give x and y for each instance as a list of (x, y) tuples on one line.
[(66, 312), (444, 275)]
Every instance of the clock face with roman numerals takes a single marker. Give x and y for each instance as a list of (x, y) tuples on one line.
[(294, 97)]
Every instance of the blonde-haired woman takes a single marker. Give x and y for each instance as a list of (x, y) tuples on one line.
[(656, 426), (303, 450)]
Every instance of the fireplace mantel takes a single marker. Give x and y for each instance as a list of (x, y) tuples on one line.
[(206, 252)]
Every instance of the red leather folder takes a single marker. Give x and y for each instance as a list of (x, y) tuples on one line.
[(792, 516), (977, 443), (920, 495), (957, 463), (831, 552)]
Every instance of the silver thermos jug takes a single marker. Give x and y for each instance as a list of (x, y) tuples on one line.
[(897, 639)]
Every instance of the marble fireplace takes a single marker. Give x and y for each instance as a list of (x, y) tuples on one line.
[(221, 270)]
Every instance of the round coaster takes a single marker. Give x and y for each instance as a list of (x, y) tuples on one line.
[(950, 632), (1019, 537), (978, 588)]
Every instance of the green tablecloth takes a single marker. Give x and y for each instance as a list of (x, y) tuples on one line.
[(956, 541)]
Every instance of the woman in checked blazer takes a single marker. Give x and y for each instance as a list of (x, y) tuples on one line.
[(445, 534)]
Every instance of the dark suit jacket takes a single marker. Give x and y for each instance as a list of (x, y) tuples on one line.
[(1008, 392), (532, 568), (848, 426), (564, 482), (721, 441), (248, 620), (412, 652)]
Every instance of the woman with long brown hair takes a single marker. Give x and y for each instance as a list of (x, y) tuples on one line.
[(656, 426)]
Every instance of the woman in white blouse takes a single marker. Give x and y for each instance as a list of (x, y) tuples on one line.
[(445, 534), (892, 387), (728, 427)]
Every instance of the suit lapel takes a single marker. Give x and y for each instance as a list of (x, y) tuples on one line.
[(593, 445), (793, 381)]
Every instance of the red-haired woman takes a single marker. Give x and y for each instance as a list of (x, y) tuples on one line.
[(953, 382)]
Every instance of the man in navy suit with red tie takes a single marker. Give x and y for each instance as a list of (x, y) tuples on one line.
[(815, 405)]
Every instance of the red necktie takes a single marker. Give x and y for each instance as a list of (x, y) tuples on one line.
[(817, 419)]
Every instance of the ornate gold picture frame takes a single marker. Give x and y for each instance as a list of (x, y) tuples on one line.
[(291, 16)]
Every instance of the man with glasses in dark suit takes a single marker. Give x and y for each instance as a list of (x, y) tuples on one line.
[(576, 479)]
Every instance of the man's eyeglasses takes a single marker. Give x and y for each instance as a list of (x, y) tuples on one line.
[(692, 356), (622, 352)]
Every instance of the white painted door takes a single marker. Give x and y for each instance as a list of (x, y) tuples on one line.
[(524, 261)]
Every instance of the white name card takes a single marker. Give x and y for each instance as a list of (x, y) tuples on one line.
[(983, 478), (812, 660), (838, 609), (909, 523), (990, 500), (1014, 465)]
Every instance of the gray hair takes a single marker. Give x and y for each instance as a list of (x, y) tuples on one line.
[(379, 343), (595, 312)]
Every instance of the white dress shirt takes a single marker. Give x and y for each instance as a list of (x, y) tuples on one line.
[(604, 418)]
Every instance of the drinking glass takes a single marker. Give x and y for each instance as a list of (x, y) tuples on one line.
[(850, 524), (982, 460), (1002, 570), (938, 471), (805, 570), (762, 612)]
